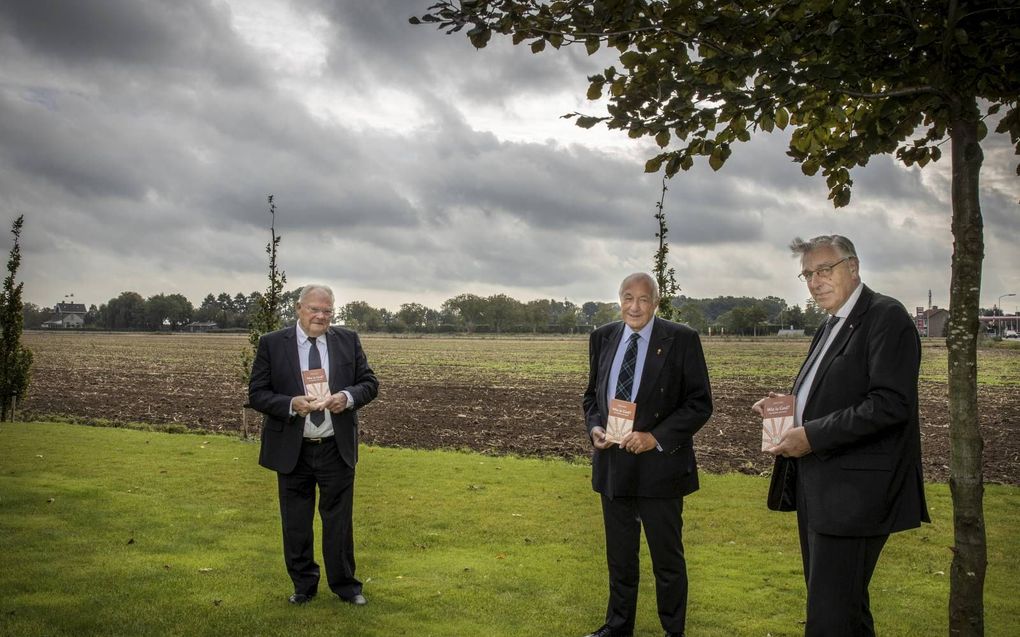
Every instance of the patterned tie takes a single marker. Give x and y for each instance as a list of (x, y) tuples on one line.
[(625, 382), (315, 362), (819, 344)]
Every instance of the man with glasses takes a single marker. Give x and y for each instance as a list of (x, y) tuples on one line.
[(311, 438), (856, 446)]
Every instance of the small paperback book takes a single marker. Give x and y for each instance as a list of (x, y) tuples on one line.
[(777, 420), (316, 384), (621, 420)]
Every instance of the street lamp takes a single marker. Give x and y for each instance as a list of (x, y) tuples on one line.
[(998, 323)]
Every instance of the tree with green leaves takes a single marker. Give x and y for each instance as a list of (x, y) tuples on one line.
[(266, 317), (15, 358), (665, 276), (852, 80)]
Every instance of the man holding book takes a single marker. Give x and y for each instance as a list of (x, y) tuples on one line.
[(309, 380), (648, 394), (851, 463)]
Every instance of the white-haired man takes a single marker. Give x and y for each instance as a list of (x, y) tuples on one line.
[(312, 441), (658, 368)]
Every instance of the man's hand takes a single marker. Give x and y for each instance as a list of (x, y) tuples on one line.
[(639, 442), (757, 407), (302, 405), (793, 444), (598, 438), (335, 403)]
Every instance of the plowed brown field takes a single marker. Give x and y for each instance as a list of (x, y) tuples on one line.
[(496, 395)]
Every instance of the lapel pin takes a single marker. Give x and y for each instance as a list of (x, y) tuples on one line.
[(658, 352)]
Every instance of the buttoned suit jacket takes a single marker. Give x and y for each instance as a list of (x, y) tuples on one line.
[(674, 401), (863, 476), (276, 379)]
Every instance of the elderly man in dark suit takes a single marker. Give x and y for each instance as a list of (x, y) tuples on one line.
[(856, 443), (659, 366), (312, 441)]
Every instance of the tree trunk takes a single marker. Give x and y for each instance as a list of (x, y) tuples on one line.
[(967, 574)]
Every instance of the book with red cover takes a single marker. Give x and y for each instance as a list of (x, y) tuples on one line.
[(316, 384), (621, 420), (777, 419)]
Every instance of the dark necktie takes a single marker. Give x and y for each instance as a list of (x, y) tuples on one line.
[(315, 362), (819, 344), (625, 382)]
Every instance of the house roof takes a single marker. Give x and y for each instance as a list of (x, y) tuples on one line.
[(71, 308)]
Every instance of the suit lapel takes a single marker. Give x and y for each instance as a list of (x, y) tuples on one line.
[(290, 349), (607, 351), (659, 345), (333, 347), (843, 337)]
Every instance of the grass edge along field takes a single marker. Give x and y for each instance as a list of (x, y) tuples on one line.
[(122, 532)]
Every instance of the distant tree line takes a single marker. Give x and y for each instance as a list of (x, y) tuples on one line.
[(465, 313)]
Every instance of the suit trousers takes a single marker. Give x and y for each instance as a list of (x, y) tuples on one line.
[(319, 465), (662, 519), (837, 571)]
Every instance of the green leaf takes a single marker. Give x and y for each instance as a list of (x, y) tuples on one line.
[(715, 160), (662, 139), (766, 122), (479, 36), (618, 87), (538, 46), (809, 168), (591, 45), (982, 130), (842, 197), (630, 59), (595, 91), (655, 163), (782, 118)]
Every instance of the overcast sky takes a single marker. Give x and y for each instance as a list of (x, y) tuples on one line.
[(141, 138)]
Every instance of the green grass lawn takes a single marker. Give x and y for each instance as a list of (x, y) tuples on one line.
[(122, 532)]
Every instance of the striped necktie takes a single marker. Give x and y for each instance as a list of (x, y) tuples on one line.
[(625, 382)]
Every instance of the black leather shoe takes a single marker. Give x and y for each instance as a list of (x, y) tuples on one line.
[(301, 598), (606, 631), (357, 600)]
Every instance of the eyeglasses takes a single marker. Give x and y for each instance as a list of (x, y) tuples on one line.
[(318, 310), (825, 271)]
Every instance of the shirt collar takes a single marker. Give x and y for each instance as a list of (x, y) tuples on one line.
[(302, 338), (846, 308)]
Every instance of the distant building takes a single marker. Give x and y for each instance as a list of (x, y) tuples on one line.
[(67, 315), (790, 332), (1001, 325), (200, 326), (931, 322)]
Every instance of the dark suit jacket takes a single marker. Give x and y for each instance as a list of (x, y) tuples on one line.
[(674, 400), (276, 378), (863, 476)]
